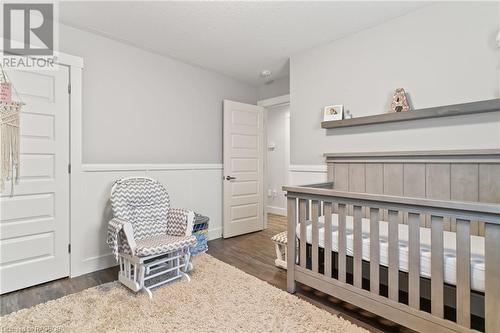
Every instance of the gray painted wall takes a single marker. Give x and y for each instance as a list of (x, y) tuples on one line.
[(139, 107), (278, 87), (442, 54)]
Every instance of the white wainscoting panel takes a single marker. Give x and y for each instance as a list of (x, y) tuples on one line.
[(307, 174), (194, 186), (301, 175)]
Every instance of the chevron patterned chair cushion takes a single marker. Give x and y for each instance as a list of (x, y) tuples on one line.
[(147, 224), (177, 221), (163, 243), (144, 203), (157, 228), (280, 238)]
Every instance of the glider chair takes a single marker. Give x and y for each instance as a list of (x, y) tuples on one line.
[(149, 239)]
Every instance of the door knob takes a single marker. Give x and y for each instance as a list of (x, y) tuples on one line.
[(230, 178)]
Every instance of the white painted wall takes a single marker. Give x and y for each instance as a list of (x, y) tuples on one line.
[(139, 107), (278, 135), (278, 87), (442, 54)]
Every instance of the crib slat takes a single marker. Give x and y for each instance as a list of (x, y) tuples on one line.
[(374, 250), (393, 217), (303, 236), (342, 243), (291, 244), (437, 267), (315, 256), (357, 246), (492, 283), (327, 208), (414, 260), (463, 273)]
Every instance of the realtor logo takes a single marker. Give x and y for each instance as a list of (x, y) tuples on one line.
[(28, 29)]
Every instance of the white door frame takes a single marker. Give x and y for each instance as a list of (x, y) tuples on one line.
[(76, 179), (269, 104), (75, 66)]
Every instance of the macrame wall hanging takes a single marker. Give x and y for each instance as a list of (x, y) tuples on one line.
[(9, 133)]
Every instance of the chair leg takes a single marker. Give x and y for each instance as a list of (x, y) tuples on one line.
[(187, 262), (150, 294), (187, 265), (186, 276), (279, 253)]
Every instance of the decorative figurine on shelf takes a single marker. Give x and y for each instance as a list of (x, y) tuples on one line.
[(399, 101)]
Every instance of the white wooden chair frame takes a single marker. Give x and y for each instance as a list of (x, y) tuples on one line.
[(281, 255), (136, 271)]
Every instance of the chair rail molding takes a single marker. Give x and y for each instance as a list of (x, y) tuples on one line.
[(307, 168), (147, 167)]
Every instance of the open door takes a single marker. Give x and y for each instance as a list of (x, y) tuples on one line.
[(243, 210)]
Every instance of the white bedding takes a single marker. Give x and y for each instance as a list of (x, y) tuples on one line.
[(450, 267)]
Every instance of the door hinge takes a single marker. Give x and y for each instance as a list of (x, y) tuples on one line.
[(69, 89), (69, 168), (69, 248)]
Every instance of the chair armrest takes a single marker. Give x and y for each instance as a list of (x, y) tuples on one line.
[(116, 225), (180, 222)]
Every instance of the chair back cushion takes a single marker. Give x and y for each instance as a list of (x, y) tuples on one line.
[(143, 202)]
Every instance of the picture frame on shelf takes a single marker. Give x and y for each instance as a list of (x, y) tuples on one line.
[(333, 112)]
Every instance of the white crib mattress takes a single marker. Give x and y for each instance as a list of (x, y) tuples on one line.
[(449, 243)]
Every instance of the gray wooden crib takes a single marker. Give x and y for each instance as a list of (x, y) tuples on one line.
[(411, 236)]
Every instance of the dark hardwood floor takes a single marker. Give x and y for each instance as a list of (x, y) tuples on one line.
[(253, 253), (42, 293)]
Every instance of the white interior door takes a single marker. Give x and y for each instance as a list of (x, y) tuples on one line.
[(243, 168), (34, 228)]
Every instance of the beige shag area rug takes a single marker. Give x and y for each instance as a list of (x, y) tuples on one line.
[(219, 298)]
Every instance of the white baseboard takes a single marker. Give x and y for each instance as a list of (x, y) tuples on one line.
[(214, 233), (276, 210)]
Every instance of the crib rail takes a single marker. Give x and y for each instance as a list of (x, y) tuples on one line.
[(312, 201)]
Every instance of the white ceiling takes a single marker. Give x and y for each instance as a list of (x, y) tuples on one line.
[(238, 39)]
